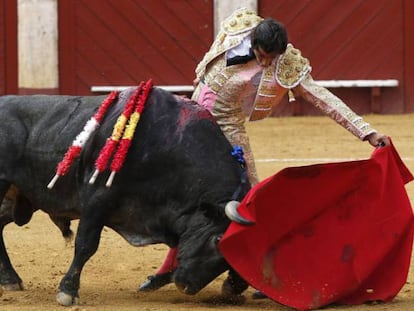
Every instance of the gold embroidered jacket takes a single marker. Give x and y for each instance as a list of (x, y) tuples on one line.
[(290, 72)]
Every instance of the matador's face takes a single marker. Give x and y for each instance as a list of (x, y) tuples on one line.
[(263, 58)]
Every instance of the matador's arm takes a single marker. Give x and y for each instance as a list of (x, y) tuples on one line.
[(331, 105)]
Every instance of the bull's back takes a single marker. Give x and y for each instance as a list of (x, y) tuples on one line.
[(35, 132), (50, 121)]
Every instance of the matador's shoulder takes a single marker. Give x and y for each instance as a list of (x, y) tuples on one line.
[(291, 67), (240, 21)]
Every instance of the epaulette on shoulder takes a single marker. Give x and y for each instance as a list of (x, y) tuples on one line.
[(241, 21), (291, 67)]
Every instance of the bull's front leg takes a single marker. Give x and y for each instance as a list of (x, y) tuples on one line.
[(9, 279), (86, 244)]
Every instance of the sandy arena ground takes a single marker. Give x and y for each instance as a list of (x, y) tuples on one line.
[(110, 279)]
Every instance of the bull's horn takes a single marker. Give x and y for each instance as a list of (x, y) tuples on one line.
[(233, 214)]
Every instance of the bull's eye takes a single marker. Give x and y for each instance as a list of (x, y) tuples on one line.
[(217, 239), (214, 241)]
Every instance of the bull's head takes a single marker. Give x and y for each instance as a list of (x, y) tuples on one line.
[(200, 260)]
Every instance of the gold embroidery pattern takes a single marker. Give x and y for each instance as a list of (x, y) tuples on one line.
[(335, 108), (217, 74), (268, 96), (230, 117), (228, 82), (232, 32), (268, 73), (267, 91), (267, 85), (240, 21), (291, 67)]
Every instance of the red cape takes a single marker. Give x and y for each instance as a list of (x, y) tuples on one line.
[(327, 233)]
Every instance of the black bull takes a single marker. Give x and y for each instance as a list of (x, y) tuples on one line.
[(176, 180)]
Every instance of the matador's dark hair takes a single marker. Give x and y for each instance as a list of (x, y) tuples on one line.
[(270, 35)]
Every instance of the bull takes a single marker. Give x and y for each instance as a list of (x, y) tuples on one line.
[(177, 179)]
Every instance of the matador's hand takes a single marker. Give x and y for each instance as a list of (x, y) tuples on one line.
[(378, 140), (196, 81)]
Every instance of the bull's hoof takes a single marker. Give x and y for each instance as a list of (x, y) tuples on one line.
[(258, 295), (66, 299), (234, 285), (12, 287), (230, 295)]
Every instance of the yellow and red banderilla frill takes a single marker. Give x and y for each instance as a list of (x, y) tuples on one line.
[(122, 151), (136, 102), (124, 127)]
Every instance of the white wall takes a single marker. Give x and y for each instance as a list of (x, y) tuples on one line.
[(38, 39), (37, 44)]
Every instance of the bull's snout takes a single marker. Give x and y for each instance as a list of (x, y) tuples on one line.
[(185, 288), (233, 214)]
